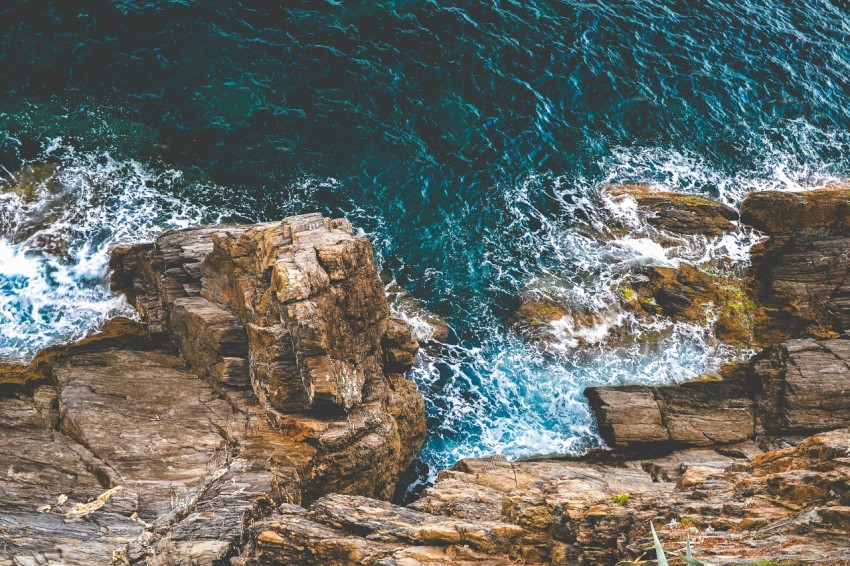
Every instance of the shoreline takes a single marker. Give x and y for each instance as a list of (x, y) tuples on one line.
[(302, 404)]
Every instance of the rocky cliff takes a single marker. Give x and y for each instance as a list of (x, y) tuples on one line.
[(266, 371), (259, 415)]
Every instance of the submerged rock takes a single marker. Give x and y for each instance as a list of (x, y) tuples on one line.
[(428, 328), (29, 181)]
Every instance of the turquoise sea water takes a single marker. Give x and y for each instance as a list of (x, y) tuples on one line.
[(467, 139)]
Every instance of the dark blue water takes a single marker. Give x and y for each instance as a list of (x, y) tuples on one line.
[(468, 139)]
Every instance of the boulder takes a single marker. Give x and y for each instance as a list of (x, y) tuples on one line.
[(699, 413), (677, 213)]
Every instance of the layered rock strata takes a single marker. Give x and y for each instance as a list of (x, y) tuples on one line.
[(240, 422), (266, 370)]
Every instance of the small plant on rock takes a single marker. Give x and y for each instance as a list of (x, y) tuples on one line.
[(620, 499)]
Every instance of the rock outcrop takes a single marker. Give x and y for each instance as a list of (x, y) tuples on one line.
[(801, 269), (737, 505), (266, 370), (677, 213), (800, 387), (259, 415)]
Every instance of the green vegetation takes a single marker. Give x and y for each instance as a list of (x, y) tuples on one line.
[(688, 558), (620, 499)]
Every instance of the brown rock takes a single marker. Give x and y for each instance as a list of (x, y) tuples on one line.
[(118, 331), (697, 413), (153, 276), (805, 386), (786, 213), (167, 464), (308, 292), (801, 269), (211, 340), (678, 213), (690, 294), (752, 506)]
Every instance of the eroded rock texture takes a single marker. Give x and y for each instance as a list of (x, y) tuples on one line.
[(259, 415), (802, 268), (737, 505), (266, 371)]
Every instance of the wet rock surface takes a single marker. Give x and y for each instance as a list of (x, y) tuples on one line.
[(259, 415), (675, 212), (146, 443)]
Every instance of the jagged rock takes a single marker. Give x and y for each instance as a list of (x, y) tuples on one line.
[(308, 292), (171, 455), (677, 213), (319, 337), (802, 269), (153, 275), (734, 508), (738, 504), (689, 294), (211, 340), (341, 530)]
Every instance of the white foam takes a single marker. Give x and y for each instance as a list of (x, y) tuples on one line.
[(54, 252)]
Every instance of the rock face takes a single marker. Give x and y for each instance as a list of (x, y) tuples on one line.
[(804, 386), (267, 370), (802, 268)]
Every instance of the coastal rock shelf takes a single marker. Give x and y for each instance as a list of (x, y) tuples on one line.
[(259, 414)]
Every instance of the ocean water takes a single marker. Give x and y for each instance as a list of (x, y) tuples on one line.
[(468, 140)]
